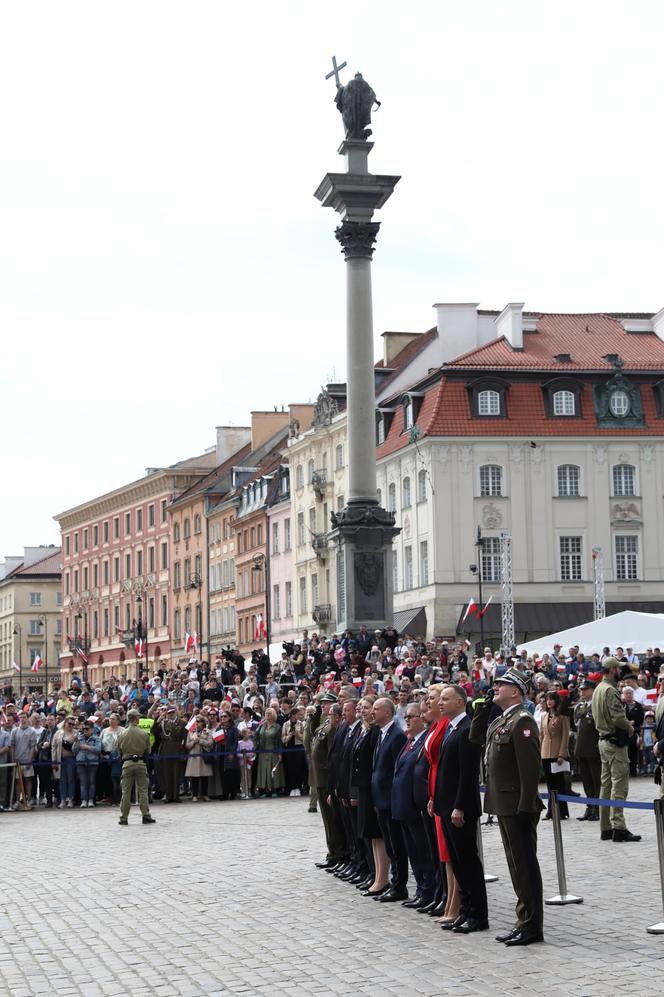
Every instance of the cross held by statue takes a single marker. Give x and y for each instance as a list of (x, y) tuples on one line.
[(336, 70)]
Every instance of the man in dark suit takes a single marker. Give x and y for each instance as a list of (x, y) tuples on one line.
[(389, 746), (357, 868), (406, 810), (334, 775), (457, 802)]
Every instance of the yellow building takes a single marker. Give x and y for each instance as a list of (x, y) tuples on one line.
[(31, 617)]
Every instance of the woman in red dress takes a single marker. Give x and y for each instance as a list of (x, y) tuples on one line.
[(434, 739)]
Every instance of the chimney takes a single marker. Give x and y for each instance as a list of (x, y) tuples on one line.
[(510, 324), (266, 424), (394, 342), (230, 439), (457, 329)]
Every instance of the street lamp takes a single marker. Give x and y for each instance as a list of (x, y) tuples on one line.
[(260, 562), (43, 622), (476, 569), (141, 636), (84, 641), (19, 633)]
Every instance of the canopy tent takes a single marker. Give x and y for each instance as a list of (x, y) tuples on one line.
[(628, 629)]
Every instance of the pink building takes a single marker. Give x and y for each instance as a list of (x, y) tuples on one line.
[(115, 573)]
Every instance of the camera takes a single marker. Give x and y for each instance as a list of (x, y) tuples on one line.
[(289, 647)]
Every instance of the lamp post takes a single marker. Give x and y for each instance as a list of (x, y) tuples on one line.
[(141, 636), (195, 582), (43, 622), (476, 569), (260, 562), (84, 641), (19, 633)]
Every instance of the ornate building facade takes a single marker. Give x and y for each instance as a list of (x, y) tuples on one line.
[(30, 617)]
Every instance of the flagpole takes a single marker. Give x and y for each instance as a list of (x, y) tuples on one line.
[(479, 543)]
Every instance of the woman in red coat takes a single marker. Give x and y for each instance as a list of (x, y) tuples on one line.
[(434, 739)]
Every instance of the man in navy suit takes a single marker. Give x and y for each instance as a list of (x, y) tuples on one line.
[(388, 748), (405, 809), (457, 802)]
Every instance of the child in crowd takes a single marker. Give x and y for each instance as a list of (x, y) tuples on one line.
[(646, 742), (245, 750)]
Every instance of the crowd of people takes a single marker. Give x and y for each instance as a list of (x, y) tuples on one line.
[(389, 737)]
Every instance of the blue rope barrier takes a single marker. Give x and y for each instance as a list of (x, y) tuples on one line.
[(590, 800)]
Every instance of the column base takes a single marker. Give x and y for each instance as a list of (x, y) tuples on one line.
[(364, 533)]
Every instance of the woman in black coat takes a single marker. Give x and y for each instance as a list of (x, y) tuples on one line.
[(367, 822)]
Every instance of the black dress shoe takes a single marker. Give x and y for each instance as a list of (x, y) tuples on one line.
[(323, 865), (413, 902), (620, 834), (150, 820), (374, 894), (393, 896), (358, 877), (508, 934), (606, 835), (365, 884), (456, 923), (336, 865), (429, 907), (525, 938), (585, 816), (472, 924), (439, 909)]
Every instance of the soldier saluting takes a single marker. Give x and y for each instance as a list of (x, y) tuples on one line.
[(512, 762)]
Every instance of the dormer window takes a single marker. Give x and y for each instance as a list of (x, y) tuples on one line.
[(383, 423), (408, 414), (488, 402), (411, 403), (563, 403), (619, 404)]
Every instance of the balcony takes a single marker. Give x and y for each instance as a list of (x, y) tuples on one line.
[(319, 482), (319, 544), (322, 614)]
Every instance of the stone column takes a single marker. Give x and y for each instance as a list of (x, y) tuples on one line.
[(363, 531)]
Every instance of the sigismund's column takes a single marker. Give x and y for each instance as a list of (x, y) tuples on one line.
[(363, 530)]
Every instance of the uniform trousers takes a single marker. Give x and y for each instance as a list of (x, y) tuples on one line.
[(519, 836), (334, 835), (614, 785), (590, 770), (134, 773)]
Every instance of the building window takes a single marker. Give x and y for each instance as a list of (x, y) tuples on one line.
[(95, 576), (151, 514), (627, 554), (303, 595), (408, 568), (289, 598), (75, 579), (186, 529), (287, 534), (151, 559), (164, 611), (310, 471), (392, 498), (116, 527), (491, 559), (276, 602), (338, 457), (624, 482), (116, 569), (570, 559), (58, 598), (252, 534), (569, 483), (300, 528), (406, 492), (379, 493), (164, 513), (491, 479), (66, 546), (164, 556), (35, 628), (176, 624), (66, 583), (197, 523), (380, 430), (139, 562), (564, 403), (395, 570), (95, 624), (106, 573), (619, 404), (312, 519), (408, 414), (176, 532), (314, 590), (299, 477), (177, 577), (275, 538), (139, 520), (422, 486), (76, 543), (95, 536), (187, 571), (488, 402), (35, 599), (85, 539), (105, 532), (127, 523), (187, 619), (424, 562), (340, 502), (86, 577)]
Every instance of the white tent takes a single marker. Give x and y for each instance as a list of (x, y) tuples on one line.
[(636, 630)]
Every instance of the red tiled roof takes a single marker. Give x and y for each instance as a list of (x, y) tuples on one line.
[(49, 565), (408, 353), (586, 337), (214, 475)]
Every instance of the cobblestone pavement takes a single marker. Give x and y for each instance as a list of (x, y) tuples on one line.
[(224, 898)]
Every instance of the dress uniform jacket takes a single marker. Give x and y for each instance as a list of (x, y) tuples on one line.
[(512, 760), (586, 733)]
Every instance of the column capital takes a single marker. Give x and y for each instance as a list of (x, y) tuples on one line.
[(357, 238)]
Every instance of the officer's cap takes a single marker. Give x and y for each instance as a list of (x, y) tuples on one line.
[(587, 685), (328, 697), (514, 677), (134, 713)]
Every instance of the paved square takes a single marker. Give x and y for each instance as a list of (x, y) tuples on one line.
[(224, 898)]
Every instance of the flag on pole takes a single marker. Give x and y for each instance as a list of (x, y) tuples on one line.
[(189, 642), (486, 606), (472, 607), (192, 724), (197, 641), (259, 630), (16, 667), (139, 646), (37, 663)]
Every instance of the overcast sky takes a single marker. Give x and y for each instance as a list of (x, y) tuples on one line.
[(165, 268)]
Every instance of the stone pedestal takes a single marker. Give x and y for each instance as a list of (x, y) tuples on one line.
[(363, 530)]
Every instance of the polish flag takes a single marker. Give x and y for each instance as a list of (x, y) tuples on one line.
[(357, 682), (259, 630), (139, 646), (472, 607), (486, 606), (192, 724), (189, 642), (219, 735), (37, 663), (197, 641), (16, 667)]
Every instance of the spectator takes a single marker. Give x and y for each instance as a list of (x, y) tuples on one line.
[(200, 745), (554, 749)]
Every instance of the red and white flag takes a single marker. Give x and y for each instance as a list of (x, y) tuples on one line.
[(139, 646), (197, 641), (259, 629), (37, 663), (189, 642), (472, 607), (357, 682), (219, 735), (16, 667), (192, 724), (486, 606)]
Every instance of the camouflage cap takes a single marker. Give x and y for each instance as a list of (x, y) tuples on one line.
[(134, 713)]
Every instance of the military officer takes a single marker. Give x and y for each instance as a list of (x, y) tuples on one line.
[(614, 731), (586, 750), (319, 734), (512, 760), (134, 746)]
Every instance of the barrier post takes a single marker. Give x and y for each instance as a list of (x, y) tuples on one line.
[(658, 929), (488, 876), (563, 897)]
